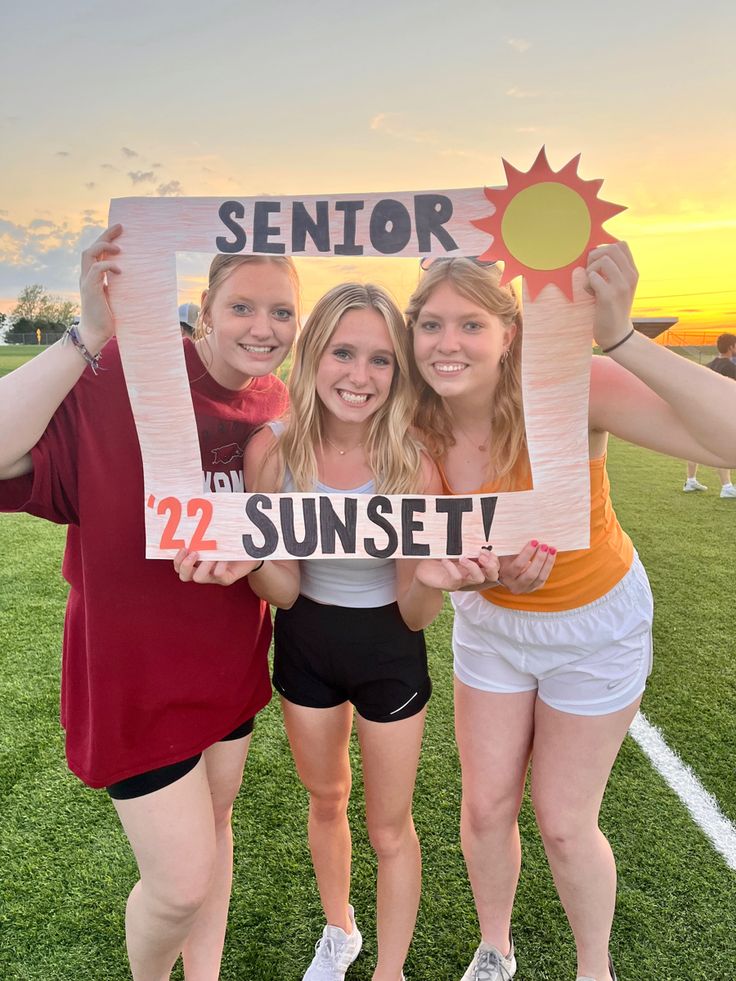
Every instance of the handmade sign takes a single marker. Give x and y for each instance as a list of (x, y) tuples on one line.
[(542, 226)]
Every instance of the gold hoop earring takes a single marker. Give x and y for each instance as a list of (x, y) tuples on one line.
[(208, 328)]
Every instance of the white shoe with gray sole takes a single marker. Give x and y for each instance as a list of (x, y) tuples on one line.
[(334, 952), (692, 484), (489, 964)]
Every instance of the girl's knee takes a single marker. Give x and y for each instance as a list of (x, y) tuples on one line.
[(176, 892), (389, 840), (564, 831), (180, 898), (329, 802), (489, 809)]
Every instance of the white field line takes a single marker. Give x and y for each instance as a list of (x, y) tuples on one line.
[(702, 806)]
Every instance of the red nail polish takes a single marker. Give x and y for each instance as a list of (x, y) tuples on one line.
[(534, 543), (553, 551), (543, 548)]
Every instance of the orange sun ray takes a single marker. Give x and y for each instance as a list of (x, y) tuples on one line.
[(545, 223)]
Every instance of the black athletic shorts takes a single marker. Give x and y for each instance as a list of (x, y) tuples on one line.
[(327, 655), (145, 783)]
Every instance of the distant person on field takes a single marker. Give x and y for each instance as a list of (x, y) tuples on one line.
[(724, 364), (693, 484), (188, 314)]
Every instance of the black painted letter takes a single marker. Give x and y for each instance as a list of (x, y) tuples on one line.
[(377, 506), (228, 211), (309, 543), (409, 506), (330, 525), (263, 523), (431, 211), (262, 230), (390, 227), (351, 208), (302, 224), (454, 508), (488, 509)]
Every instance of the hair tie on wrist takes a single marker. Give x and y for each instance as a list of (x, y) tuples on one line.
[(259, 566), (623, 340)]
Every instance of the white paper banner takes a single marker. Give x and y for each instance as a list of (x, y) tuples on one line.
[(555, 359)]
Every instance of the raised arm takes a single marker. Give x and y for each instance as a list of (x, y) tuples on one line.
[(644, 393), (30, 395)]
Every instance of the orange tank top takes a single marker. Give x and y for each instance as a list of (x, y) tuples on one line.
[(582, 576)]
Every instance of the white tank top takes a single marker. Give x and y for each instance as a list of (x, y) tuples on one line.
[(360, 583)]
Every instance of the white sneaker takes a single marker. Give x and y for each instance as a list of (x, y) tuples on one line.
[(693, 484), (334, 952), (728, 490), (489, 964)]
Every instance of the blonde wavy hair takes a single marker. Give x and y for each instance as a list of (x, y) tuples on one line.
[(222, 266), (508, 456), (394, 456)]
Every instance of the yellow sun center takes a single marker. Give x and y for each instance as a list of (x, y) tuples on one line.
[(546, 226)]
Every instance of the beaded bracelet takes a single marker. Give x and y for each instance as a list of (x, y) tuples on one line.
[(93, 360), (623, 340)]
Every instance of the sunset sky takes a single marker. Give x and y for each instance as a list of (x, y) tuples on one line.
[(235, 98)]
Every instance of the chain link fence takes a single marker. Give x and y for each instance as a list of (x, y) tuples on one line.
[(41, 338)]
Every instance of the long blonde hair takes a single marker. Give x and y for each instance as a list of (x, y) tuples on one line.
[(222, 266), (394, 456), (508, 452)]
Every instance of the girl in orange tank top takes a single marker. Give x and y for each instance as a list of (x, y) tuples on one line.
[(551, 665)]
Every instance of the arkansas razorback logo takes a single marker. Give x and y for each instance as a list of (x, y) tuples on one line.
[(227, 453)]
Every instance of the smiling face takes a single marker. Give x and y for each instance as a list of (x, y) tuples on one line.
[(250, 323), (458, 344), (357, 367)]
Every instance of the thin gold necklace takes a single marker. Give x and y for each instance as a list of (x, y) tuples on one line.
[(482, 447), (342, 452)]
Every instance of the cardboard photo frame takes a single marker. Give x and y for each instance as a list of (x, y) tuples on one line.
[(555, 378)]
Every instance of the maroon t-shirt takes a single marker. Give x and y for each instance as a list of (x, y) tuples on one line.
[(154, 670)]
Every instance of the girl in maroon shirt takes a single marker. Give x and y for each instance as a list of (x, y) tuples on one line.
[(160, 684)]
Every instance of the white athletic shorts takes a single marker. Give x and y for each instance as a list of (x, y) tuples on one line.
[(589, 661)]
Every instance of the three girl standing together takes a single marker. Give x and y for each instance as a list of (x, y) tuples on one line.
[(531, 681)]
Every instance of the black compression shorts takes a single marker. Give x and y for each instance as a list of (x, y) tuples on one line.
[(145, 783), (327, 655)]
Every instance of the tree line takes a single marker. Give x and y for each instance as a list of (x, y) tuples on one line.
[(37, 310)]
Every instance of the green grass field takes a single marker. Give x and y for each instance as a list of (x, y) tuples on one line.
[(14, 355), (67, 867)]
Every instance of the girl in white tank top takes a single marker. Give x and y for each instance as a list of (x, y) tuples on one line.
[(349, 430)]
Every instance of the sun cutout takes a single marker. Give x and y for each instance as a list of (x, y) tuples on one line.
[(545, 223)]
